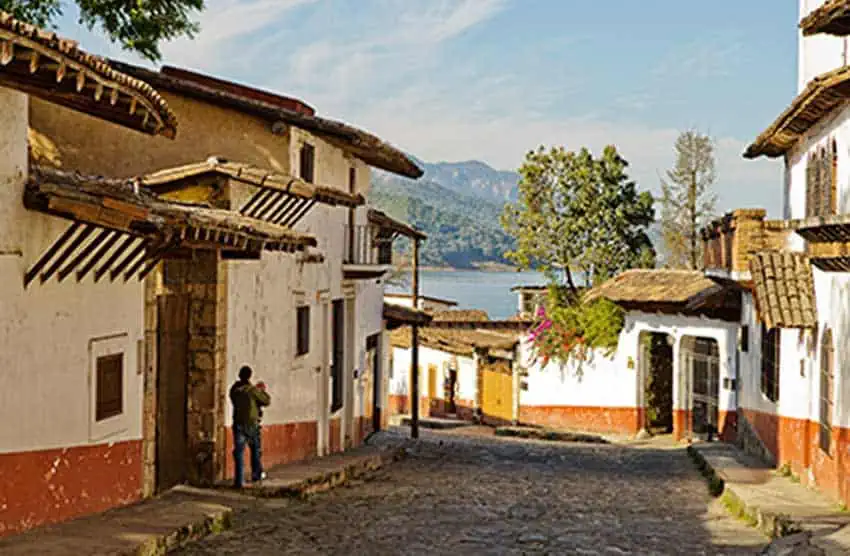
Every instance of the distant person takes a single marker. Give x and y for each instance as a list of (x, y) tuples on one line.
[(248, 400)]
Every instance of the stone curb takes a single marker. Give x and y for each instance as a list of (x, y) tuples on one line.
[(331, 479), (212, 524), (773, 525), (554, 436)]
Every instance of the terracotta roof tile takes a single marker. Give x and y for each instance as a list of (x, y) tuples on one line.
[(653, 286), (823, 94), (833, 18), (74, 78), (784, 289)]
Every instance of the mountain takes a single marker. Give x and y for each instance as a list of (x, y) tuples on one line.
[(474, 177), (457, 204)]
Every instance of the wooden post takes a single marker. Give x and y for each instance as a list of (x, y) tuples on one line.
[(414, 358)]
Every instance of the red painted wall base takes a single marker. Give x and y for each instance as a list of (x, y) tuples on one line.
[(49, 486)]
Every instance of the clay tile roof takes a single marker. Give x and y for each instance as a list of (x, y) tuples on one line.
[(457, 342), (123, 206), (42, 64), (653, 286), (833, 18), (362, 144), (461, 315), (784, 289), (823, 94), (171, 178), (394, 226), (399, 315)]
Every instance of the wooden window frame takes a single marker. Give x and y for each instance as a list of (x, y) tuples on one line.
[(822, 181), (302, 330), (770, 360), (307, 163), (827, 391), (108, 405)]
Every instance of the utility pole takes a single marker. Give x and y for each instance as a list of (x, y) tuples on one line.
[(414, 357)]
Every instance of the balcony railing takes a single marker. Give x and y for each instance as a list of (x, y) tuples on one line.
[(367, 245)]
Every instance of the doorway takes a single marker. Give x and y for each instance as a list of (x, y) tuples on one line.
[(374, 344), (701, 362), (323, 383), (450, 390), (656, 361), (171, 390), (338, 353)]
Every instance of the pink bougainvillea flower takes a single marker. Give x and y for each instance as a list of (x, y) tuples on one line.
[(541, 312)]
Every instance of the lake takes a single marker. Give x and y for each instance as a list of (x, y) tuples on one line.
[(473, 289)]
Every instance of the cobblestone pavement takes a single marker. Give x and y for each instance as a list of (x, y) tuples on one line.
[(459, 493)]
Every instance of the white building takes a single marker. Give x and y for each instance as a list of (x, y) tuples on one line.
[(803, 420), (130, 304), (425, 302)]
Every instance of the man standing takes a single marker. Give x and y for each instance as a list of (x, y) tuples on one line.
[(247, 399)]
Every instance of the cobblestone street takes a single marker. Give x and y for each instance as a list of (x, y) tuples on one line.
[(460, 493)]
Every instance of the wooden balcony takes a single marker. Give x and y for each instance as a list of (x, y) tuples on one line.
[(368, 252)]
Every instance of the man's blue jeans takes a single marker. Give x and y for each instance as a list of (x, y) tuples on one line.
[(249, 435)]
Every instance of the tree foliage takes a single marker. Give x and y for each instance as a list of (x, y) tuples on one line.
[(137, 25), (566, 329), (687, 202), (579, 214)]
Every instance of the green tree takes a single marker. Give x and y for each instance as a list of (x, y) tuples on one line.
[(687, 202), (137, 25), (579, 214)]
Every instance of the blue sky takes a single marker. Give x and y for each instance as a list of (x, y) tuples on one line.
[(491, 79)]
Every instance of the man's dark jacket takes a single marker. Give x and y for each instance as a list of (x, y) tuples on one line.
[(247, 400)]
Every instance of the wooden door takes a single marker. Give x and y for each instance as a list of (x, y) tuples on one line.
[(171, 385), (338, 352), (497, 392), (377, 383), (450, 390), (433, 399)]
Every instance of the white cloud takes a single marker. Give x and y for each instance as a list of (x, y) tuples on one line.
[(382, 65), (223, 23)]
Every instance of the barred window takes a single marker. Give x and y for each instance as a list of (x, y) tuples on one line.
[(770, 363)]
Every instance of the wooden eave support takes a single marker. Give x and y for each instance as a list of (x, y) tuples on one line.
[(33, 67)]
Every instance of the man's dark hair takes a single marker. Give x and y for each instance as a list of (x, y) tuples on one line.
[(245, 373)]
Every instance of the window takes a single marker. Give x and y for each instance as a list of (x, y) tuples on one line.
[(302, 331), (822, 181), (745, 338), (109, 396), (827, 358), (770, 363), (352, 180), (308, 160)]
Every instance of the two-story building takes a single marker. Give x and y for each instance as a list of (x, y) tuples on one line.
[(130, 301), (801, 413), (74, 254), (311, 327)]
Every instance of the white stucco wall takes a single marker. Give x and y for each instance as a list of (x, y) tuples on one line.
[(50, 333), (831, 288), (263, 297), (820, 53), (426, 304), (835, 126), (467, 388), (610, 382)]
